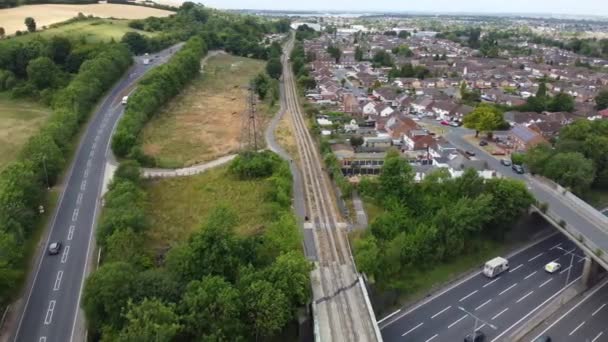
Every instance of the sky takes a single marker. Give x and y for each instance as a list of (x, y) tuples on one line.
[(570, 7)]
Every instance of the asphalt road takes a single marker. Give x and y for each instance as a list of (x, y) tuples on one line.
[(584, 320), (505, 301), (51, 312)]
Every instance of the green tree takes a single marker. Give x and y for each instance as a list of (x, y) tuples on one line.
[(510, 200), (367, 255), (358, 54), (10, 257), (274, 68), (537, 157), (2, 32), (290, 273), (404, 34), (334, 52), (601, 99), (571, 170), (151, 320), (261, 84), (485, 118), (396, 178), (42, 72), (356, 141), (542, 90), (31, 24), (59, 48), (136, 42), (562, 102), (266, 308), (383, 59)]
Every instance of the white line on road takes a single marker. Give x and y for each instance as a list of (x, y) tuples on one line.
[(440, 312), (94, 146), (507, 289), (86, 173), (565, 270), (89, 162), (432, 337), (516, 268), (575, 329), (482, 305), (490, 283), (598, 336), (554, 247), (71, 232), (598, 309), (42, 339), (524, 297), (83, 185), (467, 296), (389, 316), (75, 214), (64, 256), (49, 313), (91, 153), (536, 256), (545, 283), (58, 281), (458, 320), (500, 313), (529, 275), (414, 328), (79, 198)]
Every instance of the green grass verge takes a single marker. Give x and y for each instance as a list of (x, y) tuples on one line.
[(597, 198)]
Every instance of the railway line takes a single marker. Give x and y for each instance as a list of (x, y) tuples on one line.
[(342, 312)]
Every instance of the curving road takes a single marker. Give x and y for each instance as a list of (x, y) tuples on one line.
[(51, 312)]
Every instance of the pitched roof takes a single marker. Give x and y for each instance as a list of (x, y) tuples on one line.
[(525, 134)]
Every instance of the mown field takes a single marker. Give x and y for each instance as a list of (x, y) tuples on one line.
[(19, 119), (204, 121), (12, 19)]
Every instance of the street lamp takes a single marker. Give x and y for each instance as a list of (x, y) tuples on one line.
[(571, 262), (476, 320)]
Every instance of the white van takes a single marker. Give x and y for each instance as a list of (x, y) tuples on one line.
[(125, 99), (495, 267)]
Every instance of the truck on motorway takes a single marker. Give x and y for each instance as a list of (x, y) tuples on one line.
[(496, 266)]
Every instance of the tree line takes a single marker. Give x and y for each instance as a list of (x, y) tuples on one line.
[(214, 286), (432, 221)]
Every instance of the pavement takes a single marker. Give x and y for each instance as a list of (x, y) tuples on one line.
[(187, 171), (51, 310), (505, 302)]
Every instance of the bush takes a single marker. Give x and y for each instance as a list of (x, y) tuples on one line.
[(543, 207), (250, 165)]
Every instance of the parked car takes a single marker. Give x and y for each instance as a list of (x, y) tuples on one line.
[(498, 153), (518, 169), (54, 248), (125, 99), (552, 267), (483, 143), (470, 153), (505, 162), (477, 336), (455, 124), (445, 123), (438, 118)]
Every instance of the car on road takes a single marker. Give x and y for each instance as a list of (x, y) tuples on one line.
[(518, 169), (445, 123), (438, 118), (125, 99), (477, 336), (544, 338), (505, 162), (483, 143), (455, 124), (553, 267), (496, 266), (54, 248), (470, 153)]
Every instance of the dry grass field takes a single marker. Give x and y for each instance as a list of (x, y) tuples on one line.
[(204, 121), (12, 18)]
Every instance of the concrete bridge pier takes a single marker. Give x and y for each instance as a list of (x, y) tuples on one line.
[(591, 272)]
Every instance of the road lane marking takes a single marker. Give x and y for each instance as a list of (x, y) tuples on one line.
[(490, 283), (79, 198), (554, 247), (75, 214), (565, 270), (481, 327), (42, 339), (58, 281), (536, 256), (507, 289), (94, 146), (598, 336), (575, 329), (529, 275), (86, 173), (516, 268), (500, 313), (389, 316), (440, 312), (432, 337), (467, 296), (91, 153), (89, 162), (545, 283), (582, 259), (484, 304), (458, 320), (524, 297), (49, 313), (71, 232), (598, 309), (96, 138), (414, 328), (83, 185), (64, 256)]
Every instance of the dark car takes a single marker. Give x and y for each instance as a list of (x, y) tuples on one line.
[(478, 336), (543, 339), (483, 143), (518, 169), (470, 153), (505, 162), (54, 248)]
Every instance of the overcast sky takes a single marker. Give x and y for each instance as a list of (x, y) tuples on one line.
[(593, 7)]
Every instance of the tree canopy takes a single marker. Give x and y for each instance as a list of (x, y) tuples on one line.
[(484, 118)]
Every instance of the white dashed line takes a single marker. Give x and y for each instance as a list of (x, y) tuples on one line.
[(49, 313), (75, 215), (96, 138), (500, 313), (94, 146), (598, 309), (575, 329), (89, 162), (414, 328), (467, 296), (79, 199), (490, 283), (529, 275), (565, 270), (545, 283), (458, 320), (432, 337), (440, 312), (507, 289), (524, 297), (598, 336), (58, 281), (516, 268), (83, 185), (91, 153), (86, 173), (71, 232), (554, 247), (482, 305), (536, 257), (64, 256)]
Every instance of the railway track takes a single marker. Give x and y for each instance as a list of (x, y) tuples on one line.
[(342, 313)]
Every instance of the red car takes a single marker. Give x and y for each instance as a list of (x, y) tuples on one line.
[(445, 123)]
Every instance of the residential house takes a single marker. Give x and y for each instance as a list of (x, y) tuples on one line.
[(444, 109), (547, 129), (523, 138), (422, 105)]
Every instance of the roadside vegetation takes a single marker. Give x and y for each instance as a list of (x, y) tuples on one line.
[(233, 275)]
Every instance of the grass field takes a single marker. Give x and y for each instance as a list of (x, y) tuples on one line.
[(12, 18), (19, 119), (204, 121), (178, 206)]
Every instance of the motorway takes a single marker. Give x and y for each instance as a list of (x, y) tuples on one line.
[(505, 301), (51, 312)]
